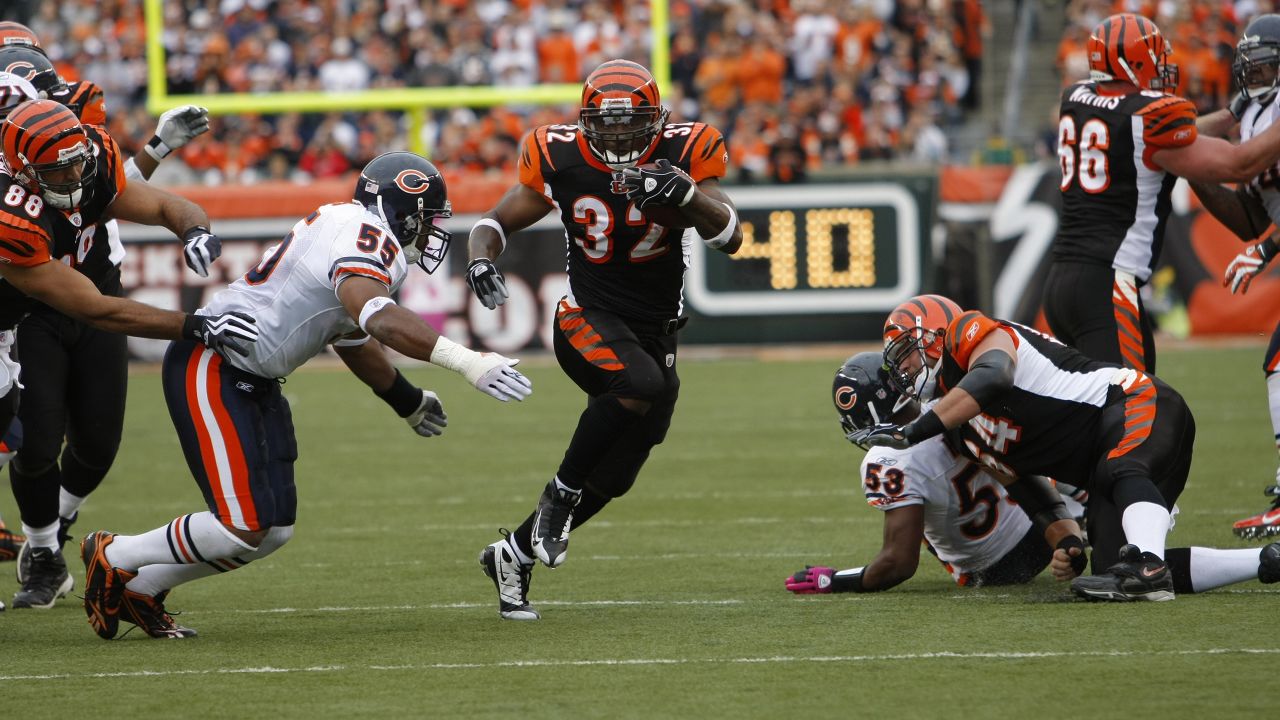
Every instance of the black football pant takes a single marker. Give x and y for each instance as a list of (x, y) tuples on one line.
[(75, 379), (611, 358), (1098, 311)]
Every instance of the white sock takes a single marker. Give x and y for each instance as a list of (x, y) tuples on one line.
[(1273, 400), (1146, 524), (190, 539), (560, 484), (1213, 568), (45, 537), (68, 504), (155, 579)]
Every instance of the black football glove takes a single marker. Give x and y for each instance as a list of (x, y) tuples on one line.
[(200, 248), (884, 435), (664, 185), (486, 281), (228, 331)]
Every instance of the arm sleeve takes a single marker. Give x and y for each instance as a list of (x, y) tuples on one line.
[(1169, 122), (967, 331), (111, 169), (534, 164), (357, 252), (705, 153), (24, 240)]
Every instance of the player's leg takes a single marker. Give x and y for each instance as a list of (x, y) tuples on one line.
[(1099, 312), (97, 385), (222, 431), (34, 472), (1021, 564), (1267, 523), (1197, 569)]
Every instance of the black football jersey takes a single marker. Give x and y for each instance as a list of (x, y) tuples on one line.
[(1115, 200), (86, 100), (1047, 423), (33, 232), (618, 260)]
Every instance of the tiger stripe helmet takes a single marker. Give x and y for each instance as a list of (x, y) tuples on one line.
[(913, 335), (1130, 48), (13, 92), (48, 151), (15, 33), (622, 114)]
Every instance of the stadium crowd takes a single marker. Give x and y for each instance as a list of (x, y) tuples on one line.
[(796, 84)]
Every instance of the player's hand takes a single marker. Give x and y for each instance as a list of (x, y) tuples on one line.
[(812, 580), (1239, 103), (200, 248), (429, 419), (181, 125), (1247, 265), (229, 331), (883, 435), (665, 185), (1069, 560), (486, 281), (497, 377)]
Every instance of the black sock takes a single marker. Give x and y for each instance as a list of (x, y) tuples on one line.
[(1179, 562), (599, 428)]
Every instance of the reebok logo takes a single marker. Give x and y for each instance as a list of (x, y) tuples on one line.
[(244, 386)]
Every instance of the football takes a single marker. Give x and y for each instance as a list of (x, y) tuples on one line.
[(666, 216)]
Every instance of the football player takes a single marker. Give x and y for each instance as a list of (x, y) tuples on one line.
[(1023, 404), (1248, 211), (963, 514), (1123, 141), (330, 281), (76, 374), (62, 179), (608, 177)]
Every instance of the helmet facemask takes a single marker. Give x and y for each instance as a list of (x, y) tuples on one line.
[(1256, 69), (424, 243), (65, 183), (911, 360), (619, 133)]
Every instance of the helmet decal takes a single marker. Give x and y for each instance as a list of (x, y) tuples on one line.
[(413, 181)]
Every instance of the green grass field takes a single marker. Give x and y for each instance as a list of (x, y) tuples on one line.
[(671, 601)]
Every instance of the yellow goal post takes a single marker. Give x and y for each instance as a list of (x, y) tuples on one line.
[(415, 102)]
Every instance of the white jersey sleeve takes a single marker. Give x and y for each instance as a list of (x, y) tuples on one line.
[(1256, 119), (292, 292)]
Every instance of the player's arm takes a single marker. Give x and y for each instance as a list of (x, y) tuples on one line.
[(369, 303), (1213, 160), (896, 562), (1040, 500), (176, 128), (365, 358), (73, 294), (1240, 210), (147, 204), (519, 208), (714, 216)]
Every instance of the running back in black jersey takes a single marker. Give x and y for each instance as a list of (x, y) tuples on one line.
[(617, 260), (33, 232), (1047, 423), (1115, 200)]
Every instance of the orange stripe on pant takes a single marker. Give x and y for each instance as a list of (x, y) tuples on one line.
[(1139, 416), (221, 431), (235, 454), (1128, 325), (202, 433), (585, 339)]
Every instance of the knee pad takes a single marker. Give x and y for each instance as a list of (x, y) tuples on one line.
[(97, 457), (32, 465)]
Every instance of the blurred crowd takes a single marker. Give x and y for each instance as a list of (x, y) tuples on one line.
[(794, 84)]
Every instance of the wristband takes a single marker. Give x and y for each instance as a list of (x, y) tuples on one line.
[(156, 148), (491, 223), (131, 171), (372, 307), (191, 326), (402, 396), (452, 356), (194, 230), (1267, 249), (848, 581), (719, 241), (924, 427)]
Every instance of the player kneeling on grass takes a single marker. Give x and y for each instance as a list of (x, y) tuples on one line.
[(328, 282)]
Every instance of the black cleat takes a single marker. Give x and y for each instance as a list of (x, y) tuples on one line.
[(1269, 563), (47, 580), (551, 523), (511, 579), (64, 534), (1138, 576), (148, 613)]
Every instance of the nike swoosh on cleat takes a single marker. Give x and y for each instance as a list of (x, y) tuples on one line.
[(1151, 572)]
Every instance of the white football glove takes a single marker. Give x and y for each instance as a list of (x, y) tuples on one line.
[(181, 125), (1247, 265), (497, 376), (429, 419)]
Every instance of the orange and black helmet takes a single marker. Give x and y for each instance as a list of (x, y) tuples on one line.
[(47, 150), (1130, 48), (916, 328), (622, 114), (15, 33)]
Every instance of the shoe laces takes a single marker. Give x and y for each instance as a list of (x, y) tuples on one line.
[(46, 568), (149, 612), (563, 503)]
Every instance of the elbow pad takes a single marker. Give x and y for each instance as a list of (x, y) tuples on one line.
[(988, 377)]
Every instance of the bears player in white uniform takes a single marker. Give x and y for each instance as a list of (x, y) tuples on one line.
[(329, 281), (1248, 211), (967, 518)]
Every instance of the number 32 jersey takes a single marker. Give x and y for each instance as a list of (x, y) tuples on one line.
[(292, 293), (1115, 199), (618, 260), (969, 519)]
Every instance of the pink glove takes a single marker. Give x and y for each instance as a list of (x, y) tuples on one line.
[(812, 580)]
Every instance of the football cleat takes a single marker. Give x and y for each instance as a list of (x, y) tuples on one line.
[(103, 584), (148, 613), (511, 578), (1264, 524), (64, 534), (11, 544), (1137, 576), (551, 523), (1269, 563), (47, 580)]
